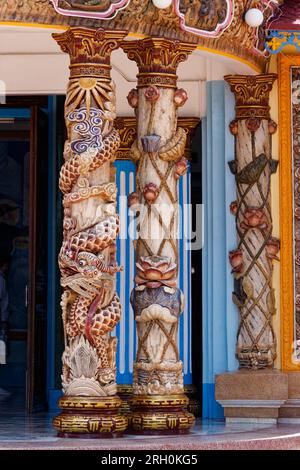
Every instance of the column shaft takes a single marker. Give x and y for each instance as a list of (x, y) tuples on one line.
[(90, 305), (257, 248), (157, 301)]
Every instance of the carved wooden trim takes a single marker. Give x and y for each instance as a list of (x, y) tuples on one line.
[(89, 11), (141, 17), (251, 94), (127, 129), (286, 213)]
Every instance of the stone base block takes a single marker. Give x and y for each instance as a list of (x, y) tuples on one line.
[(290, 411), (252, 396), (86, 417)]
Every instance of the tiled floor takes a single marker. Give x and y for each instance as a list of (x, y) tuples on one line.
[(19, 430)]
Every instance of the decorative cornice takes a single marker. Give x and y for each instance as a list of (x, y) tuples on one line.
[(199, 17), (141, 17), (89, 50), (102, 10), (157, 60), (127, 127), (251, 94)]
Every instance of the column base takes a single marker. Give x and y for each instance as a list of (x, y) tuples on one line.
[(159, 414), (252, 396), (90, 417), (289, 413)]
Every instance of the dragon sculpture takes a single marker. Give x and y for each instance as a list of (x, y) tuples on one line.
[(91, 308)]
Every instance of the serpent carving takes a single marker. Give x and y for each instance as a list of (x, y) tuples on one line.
[(91, 308)]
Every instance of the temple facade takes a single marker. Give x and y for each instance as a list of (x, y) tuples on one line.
[(149, 204)]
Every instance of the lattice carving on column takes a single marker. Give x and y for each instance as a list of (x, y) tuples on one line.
[(257, 248), (159, 154)]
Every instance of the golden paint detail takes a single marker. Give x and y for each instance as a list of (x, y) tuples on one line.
[(90, 416), (156, 422), (157, 401), (141, 16), (251, 94), (127, 130), (160, 413), (90, 403), (125, 392), (286, 213), (157, 60), (89, 46)]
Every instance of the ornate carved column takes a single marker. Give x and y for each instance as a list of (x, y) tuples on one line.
[(257, 248), (158, 402), (90, 305)]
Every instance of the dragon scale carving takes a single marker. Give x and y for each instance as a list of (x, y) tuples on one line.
[(91, 308)]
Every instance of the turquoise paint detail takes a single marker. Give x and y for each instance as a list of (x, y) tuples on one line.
[(211, 409), (17, 113), (219, 313), (53, 397)]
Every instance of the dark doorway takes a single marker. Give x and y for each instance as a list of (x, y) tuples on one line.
[(23, 236), (196, 200)]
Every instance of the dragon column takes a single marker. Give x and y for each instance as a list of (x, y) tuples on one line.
[(158, 403), (90, 306)]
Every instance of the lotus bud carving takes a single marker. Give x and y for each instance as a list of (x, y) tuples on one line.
[(298, 301), (150, 192), (155, 271), (253, 124), (180, 168), (180, 97), (132, 199), (152, 93), (254, 218), (272, 126), (273, 247), (133, 98), (151, 143), (233, 127), (233, 207), (236, 260)]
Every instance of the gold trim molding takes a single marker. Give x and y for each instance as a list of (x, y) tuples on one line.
[(157, 60), (251, 94), (127, 130), (286, 212)]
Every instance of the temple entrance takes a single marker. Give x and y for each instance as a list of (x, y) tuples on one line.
[(23, 251)]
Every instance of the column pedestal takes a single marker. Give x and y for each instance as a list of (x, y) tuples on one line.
[(160, 415), (90, 417), (252, 396), (290, 410)]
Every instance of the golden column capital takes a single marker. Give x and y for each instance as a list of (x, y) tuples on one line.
[(251, 94), (89, 50), (157, 60)]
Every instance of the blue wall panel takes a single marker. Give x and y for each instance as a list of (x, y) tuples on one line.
[(125, 330), (219, 313)]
